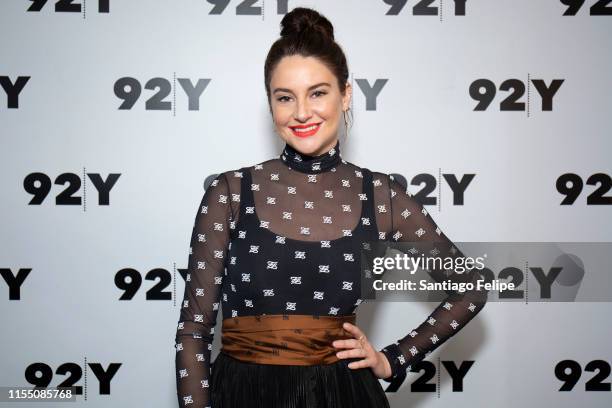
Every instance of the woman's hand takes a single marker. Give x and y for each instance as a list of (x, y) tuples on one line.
[(360, 347)]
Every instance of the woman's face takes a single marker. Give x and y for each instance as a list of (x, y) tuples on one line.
[(305, 92)]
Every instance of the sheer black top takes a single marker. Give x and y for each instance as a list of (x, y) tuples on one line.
[(283, 237)]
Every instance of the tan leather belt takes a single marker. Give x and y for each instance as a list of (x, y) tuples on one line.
[(284, 339)]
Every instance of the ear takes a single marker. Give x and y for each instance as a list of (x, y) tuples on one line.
[(346, 98)]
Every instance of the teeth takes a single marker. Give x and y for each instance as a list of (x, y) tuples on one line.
[(308, 129)]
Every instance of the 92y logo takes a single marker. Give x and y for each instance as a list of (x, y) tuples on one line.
[(570, 371), (129, 89), (41, 374), (13, 89), (599, 8), (483, 91), (571, 184), (247, 7), (39, 185), (129, 280), (457, 185), (423, 7), (14, 281), (68, 6), (371, 92), (457, 374)]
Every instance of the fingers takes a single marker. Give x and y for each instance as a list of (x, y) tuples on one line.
[(361, 363), (359, 341), (348, 343), (353, 353), (354, 330), (358, 347)]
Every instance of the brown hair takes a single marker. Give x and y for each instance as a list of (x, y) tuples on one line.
[(306, 32)]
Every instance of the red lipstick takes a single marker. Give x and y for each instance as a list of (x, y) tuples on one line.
[(306, 130)]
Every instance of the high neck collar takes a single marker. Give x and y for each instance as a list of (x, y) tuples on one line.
[(311, 164)]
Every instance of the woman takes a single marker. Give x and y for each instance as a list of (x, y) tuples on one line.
[(277, 245)]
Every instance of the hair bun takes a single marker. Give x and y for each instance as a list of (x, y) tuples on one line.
[(301, 19)]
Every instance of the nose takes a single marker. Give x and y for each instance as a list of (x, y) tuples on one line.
[(303, 111)]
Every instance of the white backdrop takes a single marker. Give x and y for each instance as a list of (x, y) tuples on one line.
[(65, 129)]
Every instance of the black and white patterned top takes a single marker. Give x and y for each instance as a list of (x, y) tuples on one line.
[(284, 237)]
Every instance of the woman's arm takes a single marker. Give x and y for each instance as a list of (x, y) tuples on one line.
[(198, 315), (410, 222)]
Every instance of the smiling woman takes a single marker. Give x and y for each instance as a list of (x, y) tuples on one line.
[(306, 80), (302, 110), (276, 246)]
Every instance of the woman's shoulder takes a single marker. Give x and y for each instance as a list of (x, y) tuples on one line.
[(232, 176), (379, 178), (261, 165)]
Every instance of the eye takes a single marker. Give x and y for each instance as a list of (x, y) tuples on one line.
[(281, 98), (319, 92)]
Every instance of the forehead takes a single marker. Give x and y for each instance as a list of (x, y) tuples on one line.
[(298, 72)]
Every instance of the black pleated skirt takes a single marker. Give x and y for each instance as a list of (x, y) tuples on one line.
[(239, 384)]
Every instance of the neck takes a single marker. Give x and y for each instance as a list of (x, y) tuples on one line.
[(311, 164)]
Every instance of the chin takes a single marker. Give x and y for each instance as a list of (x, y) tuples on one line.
[(309, 145)]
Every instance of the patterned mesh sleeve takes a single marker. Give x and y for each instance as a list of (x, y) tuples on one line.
[(410, 222), (198, 314)]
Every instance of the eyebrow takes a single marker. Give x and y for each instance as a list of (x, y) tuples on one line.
[(309, 88)]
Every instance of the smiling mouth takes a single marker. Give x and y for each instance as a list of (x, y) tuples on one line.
[(304, 131)]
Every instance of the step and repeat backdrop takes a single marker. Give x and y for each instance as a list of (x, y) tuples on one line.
[(114, 113)]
